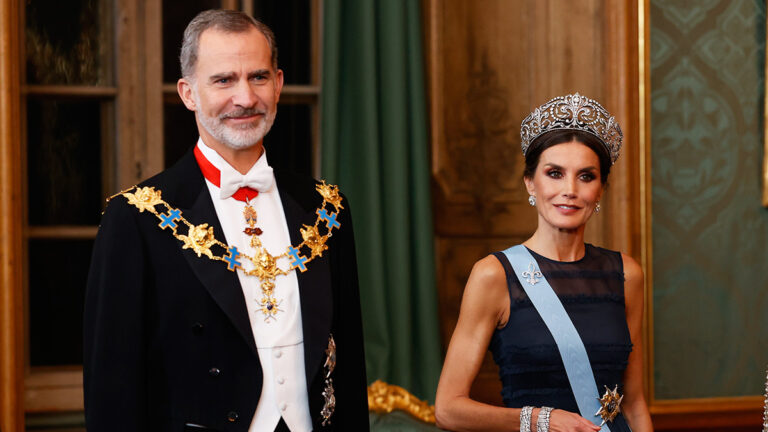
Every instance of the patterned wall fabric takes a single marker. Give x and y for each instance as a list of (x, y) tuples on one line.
[(710, 233)]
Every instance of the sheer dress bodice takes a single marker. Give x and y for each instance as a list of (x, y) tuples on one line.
[(592, 292)]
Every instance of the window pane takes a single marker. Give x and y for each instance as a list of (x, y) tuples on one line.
[(176, 15), (180, 131), (68, 45), (289, 142), (56, 297), (290, 21), (64, 161)]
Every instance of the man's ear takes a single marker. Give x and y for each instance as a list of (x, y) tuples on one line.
[(278, 84), (184, 87)]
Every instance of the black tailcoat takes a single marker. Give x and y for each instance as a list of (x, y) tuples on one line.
[(168, 341)]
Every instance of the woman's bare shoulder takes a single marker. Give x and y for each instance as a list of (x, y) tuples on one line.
[(486, 289), (632, 270), (633, 279), (488, 269)]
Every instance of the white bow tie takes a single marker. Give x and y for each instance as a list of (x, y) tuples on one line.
[(260, 179)]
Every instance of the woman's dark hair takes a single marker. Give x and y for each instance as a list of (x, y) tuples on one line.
[(560, 136)]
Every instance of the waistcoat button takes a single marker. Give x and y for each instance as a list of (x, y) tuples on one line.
[(197, 328)]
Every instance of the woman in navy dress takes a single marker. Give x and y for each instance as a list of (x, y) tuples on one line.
[(569, 145)]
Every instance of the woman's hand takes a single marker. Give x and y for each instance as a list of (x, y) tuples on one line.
[(566, 421)]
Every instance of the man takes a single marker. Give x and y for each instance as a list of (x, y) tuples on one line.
[(217, 298)]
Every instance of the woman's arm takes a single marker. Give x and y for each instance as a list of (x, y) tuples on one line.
[(484, 306), (634, 406)]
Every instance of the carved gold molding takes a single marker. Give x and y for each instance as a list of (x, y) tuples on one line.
[(384, 398)]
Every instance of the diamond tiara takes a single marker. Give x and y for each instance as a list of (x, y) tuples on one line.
[(573, 112)]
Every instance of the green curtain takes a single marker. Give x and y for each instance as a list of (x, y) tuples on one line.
[(375, 147)]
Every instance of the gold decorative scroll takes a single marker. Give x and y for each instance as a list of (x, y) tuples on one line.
[(384, 398)]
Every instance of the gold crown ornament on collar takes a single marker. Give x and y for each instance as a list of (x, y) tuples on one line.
[(576, 112)]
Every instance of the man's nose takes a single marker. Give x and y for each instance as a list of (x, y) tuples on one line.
[(245, 95)]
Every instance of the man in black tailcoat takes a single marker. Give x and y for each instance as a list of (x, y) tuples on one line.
[(222, 295)]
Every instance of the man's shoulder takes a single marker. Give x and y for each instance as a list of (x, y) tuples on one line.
[(300, 187), (180, 183)]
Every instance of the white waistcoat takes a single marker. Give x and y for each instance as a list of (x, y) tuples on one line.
[(280, 341)]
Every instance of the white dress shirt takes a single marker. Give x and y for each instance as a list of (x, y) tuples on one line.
[(280, 341)]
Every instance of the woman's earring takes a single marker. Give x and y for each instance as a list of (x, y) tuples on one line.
[(532, 200), (597, 207)]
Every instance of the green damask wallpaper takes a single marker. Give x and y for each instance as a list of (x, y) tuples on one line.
[(710, 233)]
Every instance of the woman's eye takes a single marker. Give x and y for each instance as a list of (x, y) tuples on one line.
[(555, 174), (587, 177)]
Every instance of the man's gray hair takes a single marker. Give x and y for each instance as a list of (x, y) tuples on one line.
[(228, 21)]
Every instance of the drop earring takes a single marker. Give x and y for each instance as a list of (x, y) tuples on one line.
[(597, 207), (532, 200)]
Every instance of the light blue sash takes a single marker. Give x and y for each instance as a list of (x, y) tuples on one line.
[(558, 322)]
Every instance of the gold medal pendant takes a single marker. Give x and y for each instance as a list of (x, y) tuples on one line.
[(266, 270), (265, 266)]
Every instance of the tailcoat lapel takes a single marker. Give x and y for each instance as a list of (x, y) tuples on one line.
[(222, 284), (300, 201)]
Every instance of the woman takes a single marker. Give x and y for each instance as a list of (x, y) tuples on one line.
[(555, 347)]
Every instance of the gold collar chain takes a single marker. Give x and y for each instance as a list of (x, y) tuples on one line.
[(201, 239)]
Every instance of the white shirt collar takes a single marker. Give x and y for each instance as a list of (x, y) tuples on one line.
[(223, 166)]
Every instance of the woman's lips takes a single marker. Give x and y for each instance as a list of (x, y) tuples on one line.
[(567, 209)]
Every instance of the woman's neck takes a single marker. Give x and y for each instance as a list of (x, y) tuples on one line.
[(557, 244)]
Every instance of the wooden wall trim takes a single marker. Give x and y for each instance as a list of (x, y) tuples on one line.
[(54, 390), (153, 110), (707, 414), (11, 329), (139, 129)]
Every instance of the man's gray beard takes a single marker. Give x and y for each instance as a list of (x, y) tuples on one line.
[(240, 138)]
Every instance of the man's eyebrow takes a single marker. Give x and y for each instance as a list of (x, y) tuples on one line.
[(258, 72), (218, 76)]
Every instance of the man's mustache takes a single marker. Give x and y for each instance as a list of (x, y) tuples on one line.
[(242, 112)]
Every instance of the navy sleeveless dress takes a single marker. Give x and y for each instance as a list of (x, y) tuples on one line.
[(592, 292)]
